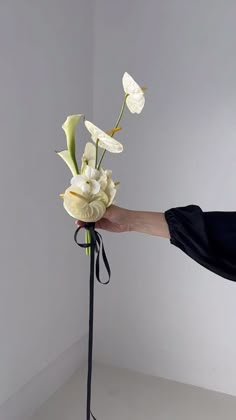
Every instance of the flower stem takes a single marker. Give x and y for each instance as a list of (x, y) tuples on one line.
[(87, 241), (117, 123), (96, 159)]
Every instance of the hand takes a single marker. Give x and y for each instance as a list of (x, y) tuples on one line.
[(116, 219)]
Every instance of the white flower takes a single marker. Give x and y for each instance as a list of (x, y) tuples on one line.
[(108, 185), (110, 190), (85, 209), (135, 96), (103, 180), (105, 141), (89, 156), (88, 182), (68, 155), (69, 127)]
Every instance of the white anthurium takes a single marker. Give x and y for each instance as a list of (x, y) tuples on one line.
[(103, 179), (88, 181), (89, 156), (104, 140), (108, 185), (111, 189), (135, 99), (85, 209), (111, 193)]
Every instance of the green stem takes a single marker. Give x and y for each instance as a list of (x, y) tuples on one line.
[(117, 124), (87, 241), (96, 159), (76, 166)]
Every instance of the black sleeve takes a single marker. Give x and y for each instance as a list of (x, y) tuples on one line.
[(207, 237)]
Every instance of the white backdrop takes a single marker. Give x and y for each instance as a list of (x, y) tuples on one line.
[(165, 314), (162, 314), (46, 72)]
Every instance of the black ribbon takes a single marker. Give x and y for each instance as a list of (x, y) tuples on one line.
[(96, 247)]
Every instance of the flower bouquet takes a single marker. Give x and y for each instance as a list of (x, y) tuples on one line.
[(92, 189)]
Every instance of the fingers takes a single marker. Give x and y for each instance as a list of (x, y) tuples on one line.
[(79, 223), (98, 224)]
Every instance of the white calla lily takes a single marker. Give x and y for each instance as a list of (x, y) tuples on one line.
[(135, 99), (105, 141), (69, 128), (65, 155)]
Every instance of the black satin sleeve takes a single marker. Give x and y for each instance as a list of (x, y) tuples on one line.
[(209, 238)]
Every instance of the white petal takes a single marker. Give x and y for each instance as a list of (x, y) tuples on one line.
[(105, 141), (83, 209), (83, 166), (91, 128), (91, 173), (65, 155), (69, 128), (89, 151), (135, 103), (94, 186), (111, 192), (108, 173), (77, 180), (101, 196), (129, 85), (110, 144), (91, 163), (85, 187), (103, 181)]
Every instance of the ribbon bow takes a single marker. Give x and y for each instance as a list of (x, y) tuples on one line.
[(96, 246)]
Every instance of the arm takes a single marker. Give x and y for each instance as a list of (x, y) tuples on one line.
[(119, 219), (209, 238), (151, 223)]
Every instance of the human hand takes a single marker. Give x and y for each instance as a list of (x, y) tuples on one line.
[(116, 219)]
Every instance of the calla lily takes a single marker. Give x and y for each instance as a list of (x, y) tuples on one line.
[(135, 99), (69, 128), (104, 140), (65, 155), (88, 182)]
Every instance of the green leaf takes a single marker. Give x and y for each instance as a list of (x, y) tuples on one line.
[(65, 155), (69, 128)]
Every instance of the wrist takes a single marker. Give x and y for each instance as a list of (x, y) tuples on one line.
[(134, 220), (152, 223)]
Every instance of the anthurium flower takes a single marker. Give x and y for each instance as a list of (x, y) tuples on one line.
[(111, 189), (104, 140), (135, 99), (85, 209), (88, 181)]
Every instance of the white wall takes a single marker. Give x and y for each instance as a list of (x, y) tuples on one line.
[(164, 314), (46, 71)]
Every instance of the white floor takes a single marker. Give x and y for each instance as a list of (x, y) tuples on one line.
[(119, 394)]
